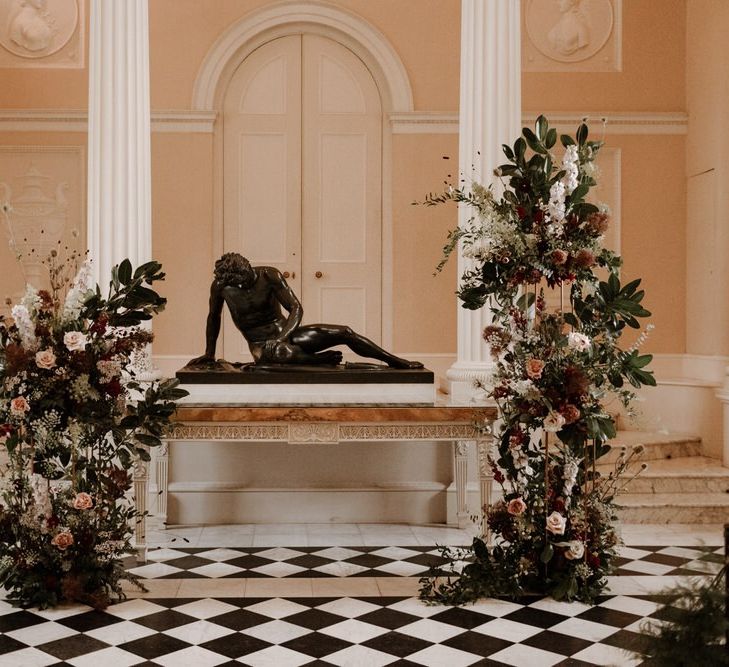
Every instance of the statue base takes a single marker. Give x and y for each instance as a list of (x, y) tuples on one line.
[(227, 384)]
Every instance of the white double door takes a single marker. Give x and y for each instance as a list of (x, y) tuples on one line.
[(303, 178)]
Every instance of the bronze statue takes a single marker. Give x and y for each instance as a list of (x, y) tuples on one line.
[(255, 297)]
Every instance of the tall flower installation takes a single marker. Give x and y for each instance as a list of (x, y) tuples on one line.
[(557, 369), (73, 421)]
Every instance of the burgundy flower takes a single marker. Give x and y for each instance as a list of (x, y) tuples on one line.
[(559, 257), (584, 258), (597, 223)]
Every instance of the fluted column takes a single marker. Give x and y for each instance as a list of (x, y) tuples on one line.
[(119, 171), (490, 115)]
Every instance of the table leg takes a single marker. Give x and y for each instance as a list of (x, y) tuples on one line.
[(161, 468), (460, 473), (140, 475), (485, 475)]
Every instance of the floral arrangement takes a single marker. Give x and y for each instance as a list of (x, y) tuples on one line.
[(73, 421), (555, 372)]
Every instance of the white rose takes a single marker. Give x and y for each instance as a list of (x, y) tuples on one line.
[(45, 359), (578, 341), (74, 341), (556, 523), (553, 422), (575, 550)]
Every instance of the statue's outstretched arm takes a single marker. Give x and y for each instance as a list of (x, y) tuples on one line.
[(212, 328)]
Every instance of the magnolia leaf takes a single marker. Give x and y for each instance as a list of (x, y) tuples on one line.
[(547, 553), (541, 126), (566, 140)]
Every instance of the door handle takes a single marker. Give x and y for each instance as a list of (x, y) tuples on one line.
[(286, 274), (318, 274)]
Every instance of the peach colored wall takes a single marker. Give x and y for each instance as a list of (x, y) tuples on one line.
[(707, 100), (653, 68), (425, 304), (433, 71), (653, 199)]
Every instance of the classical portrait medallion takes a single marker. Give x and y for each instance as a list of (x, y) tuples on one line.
[(37, 28)]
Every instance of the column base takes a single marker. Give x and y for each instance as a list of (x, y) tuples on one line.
[(723, 395), (461, 383)]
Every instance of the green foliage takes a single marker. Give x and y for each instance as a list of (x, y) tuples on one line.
[(74, 420)]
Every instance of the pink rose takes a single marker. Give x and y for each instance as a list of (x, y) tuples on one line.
[(45, 359), (556, 523), (19, 406), (75, 341), (83, 501), (534, 368), (516, 507), (575, 550), (62, 540)]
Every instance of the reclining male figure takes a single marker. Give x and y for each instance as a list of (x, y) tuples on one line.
[(255, 297)]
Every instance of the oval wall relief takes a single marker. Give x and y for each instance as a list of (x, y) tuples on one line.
[(37, 28), (569, 30)]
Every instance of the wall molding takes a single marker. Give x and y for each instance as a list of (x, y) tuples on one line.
[(401, 122), (76, 120), (623, 122)]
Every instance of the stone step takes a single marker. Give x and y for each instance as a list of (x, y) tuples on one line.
[(694, 508), (684, 474), (656, 446)]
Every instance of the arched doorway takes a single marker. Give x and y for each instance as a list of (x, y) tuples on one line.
[(302, 181)]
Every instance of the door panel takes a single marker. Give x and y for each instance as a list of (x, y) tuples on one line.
[(262, 165), (342, 188), (302, 178)]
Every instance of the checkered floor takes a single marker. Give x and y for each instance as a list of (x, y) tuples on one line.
[(411, 561), (366, 631)]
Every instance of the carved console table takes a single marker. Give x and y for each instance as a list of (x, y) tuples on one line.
[(330, 425)]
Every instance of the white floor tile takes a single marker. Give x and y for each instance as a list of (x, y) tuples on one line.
[(277, 608), (275, 656), (203, 609), (526, 656), (131, 609), (353, 630), (430, 630), (286, 540), (41, 633), (216, 570), (219, 555), (417, 608), (559, 607), (578, 627), (276, 632), (401, 568), (340, 569), (27, 657), (155, 570), (108, 657), (437, 656), (360, 656), (511, 631), (631, 605), (198, 632), (601, 654), (280, 553), (348, 607), (120, 633), (194, 655), (492, 607)]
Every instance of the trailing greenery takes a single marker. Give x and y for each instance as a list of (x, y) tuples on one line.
[(536, 260)]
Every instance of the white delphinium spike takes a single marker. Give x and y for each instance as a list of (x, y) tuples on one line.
[(80, 287), (25, 325)]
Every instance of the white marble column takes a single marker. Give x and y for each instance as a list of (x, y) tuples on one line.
[(119, 172), (490, 115)]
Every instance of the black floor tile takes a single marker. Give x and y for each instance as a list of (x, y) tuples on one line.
[(316, 644), (388, 618), (164, 620), (536, 617), (607, 616), (19, 619), (314, 619), (234, 646), (72, 647), (8, 644), (154, 646), (239, 619), (89, 621), (476, 643), (461, 617), (395, 643), (556, 642)]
